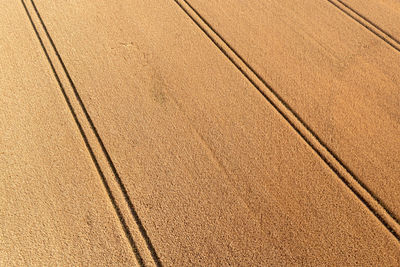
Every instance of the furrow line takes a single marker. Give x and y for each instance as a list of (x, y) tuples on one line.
[(366, 23), (373, 203), (116, 190)]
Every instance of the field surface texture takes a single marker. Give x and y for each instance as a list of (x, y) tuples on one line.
[(200, 133)]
